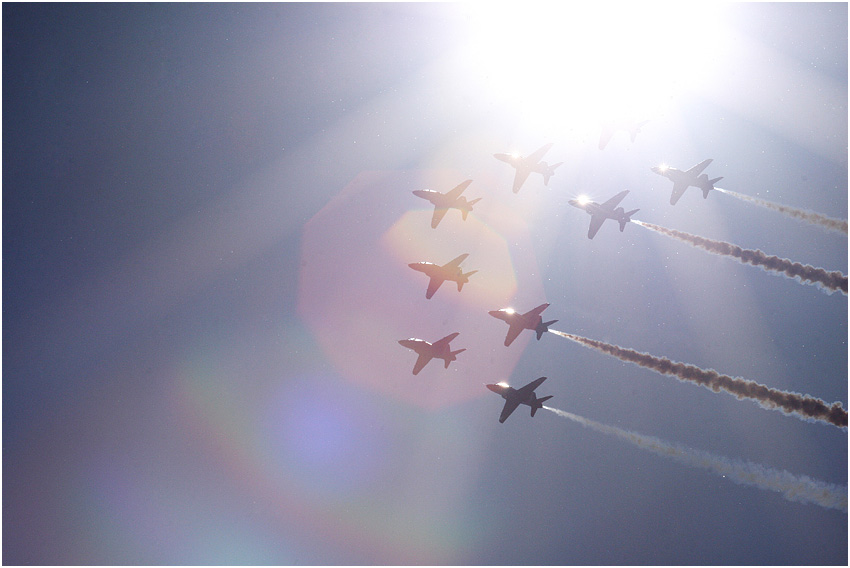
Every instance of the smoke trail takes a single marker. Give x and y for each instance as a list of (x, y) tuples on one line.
[(830, 281), (794, 488), (804, 406), (808, 216)]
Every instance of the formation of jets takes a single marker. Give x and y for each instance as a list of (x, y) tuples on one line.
[(689, 178), (533, 319), (608, 210)]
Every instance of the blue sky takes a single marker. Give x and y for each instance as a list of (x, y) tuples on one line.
[(207, 217)]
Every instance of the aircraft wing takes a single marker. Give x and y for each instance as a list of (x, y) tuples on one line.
[(513, 332), (421, 361), (439, 213), (455, 263), (521, 175), (511, 404), (536, 311), (697, 169), (678, 190), (458, 190), (538, 155), (595, 223), (614, 201), (529, 388), (447, 339), (433, 285)]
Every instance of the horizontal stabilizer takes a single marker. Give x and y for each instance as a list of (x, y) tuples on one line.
[(539, 403), (543, 327), (549, 173), (626, 218), (465, 210), (709, 186), (464, 278), (543, 399)]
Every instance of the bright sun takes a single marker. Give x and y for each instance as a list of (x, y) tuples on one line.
[(583, 63)]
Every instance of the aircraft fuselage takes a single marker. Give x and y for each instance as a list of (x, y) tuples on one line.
[(442, 200), (435, 270), (676, 175), (510, 393), (426, 347), (512, 317)]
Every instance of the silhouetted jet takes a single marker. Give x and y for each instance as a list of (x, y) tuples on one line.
[(514, 397), (444, 201), (684, 180), (427, 351), (439, 274), (518, 322), (609, 128), (608, 210), (525, 166)]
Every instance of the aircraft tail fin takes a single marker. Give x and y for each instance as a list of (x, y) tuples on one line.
[(464, 278), (626, 218), (539, 403), (709, 186), (452, 356), (636, 129), (550, 171), (465, 211), (543, 327)]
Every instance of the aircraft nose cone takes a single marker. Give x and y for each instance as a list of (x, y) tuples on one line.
[(494, 388), (494, 313)]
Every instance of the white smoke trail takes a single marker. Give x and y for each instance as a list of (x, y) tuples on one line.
[(808, 216), (802, 405), (800, 488), (830, 281)]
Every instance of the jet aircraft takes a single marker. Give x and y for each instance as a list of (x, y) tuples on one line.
[(608, 210), (518, 322), (514, 397), (526, 165), (610, 128), (439, 274), (444, 201), (684, 180), (427, 351)]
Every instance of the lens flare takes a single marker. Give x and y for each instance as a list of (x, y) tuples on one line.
[(358, 297)]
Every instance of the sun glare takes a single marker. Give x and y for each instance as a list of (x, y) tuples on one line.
[(580, 64), (583, 199)]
